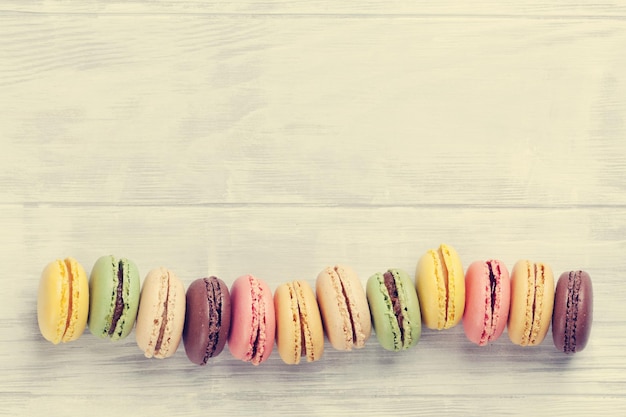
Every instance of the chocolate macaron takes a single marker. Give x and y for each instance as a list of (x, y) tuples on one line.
[(207, 319), (573, 311)]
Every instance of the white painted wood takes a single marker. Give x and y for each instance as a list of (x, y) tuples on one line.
[(276, 138), (392, 8)]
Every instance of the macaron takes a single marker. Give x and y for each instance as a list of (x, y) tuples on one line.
[(344, 308), (253, 320), (532, 301), (114, 289), (63, 301), (440, 287), (573, 311), (161, 315), (207, 319), (299, 330), (395, 309), (487, 299)]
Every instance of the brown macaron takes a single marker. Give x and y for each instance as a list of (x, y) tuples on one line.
[(207, 319), (573, 311)]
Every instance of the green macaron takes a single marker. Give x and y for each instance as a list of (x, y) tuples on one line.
[(114, 289), (395, 309)]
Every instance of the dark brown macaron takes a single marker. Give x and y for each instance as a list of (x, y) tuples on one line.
[(573, 311), (207, 319)]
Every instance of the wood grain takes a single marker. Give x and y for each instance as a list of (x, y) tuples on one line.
[(276, 138)]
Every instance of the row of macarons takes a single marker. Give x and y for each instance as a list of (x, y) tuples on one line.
[(252, 319)]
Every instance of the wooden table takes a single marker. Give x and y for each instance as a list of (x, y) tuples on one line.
[(277, 138)]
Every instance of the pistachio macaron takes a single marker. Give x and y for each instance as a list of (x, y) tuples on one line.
[(114, 289), (395, 309)]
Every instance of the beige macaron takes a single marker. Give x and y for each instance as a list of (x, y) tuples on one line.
[(343, 304), (161, 315)]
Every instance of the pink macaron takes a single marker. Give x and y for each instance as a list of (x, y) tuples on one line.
[(487, 300), (253, 320)]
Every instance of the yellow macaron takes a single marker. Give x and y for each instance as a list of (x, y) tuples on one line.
[(441, 287), (63, 301)]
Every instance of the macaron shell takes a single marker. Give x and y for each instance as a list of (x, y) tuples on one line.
[(267, 329), (440, 287), (162, 294), (63, 301), (311, 321), (343, 306), (248, 318), (205, 315), (431, 292), (410, 308), (241, 320), (480, 324), (531, 303), (132, 291), (384, 320), (334, 308), (288, 326), (103, 284), (226, 316), (573, 312)]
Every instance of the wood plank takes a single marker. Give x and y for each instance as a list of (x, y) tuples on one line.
[(197, 110), (429, 8)]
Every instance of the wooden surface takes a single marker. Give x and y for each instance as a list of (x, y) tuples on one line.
[(276, 138)]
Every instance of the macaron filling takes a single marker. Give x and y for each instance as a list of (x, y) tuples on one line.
[(348, 307), (493, 300), (571, 312), (306, 338), (159, 341), (442, 259), (299, 346), (392, 290), (70, 287), (257, 336), (444, 256), (119, 298), (305, 341), (214, 296), (534, 297)]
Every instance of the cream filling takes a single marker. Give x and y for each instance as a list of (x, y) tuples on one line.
[(68, 296), (342, 304), (159, 344)]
